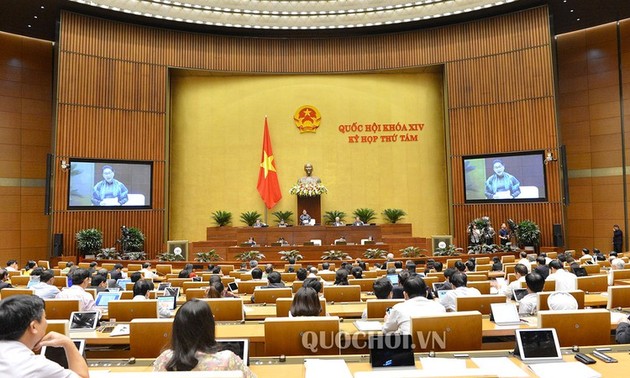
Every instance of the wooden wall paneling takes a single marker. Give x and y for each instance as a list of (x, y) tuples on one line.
[(497, 71)]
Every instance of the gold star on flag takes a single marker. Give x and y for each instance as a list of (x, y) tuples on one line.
[(267, 163)]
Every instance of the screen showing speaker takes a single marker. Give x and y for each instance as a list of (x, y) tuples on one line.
[(508, 177), (109, 184)]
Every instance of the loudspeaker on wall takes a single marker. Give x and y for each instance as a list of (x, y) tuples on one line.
[(57, 245)]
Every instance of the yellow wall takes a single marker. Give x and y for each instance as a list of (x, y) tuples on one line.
[(216, 139)]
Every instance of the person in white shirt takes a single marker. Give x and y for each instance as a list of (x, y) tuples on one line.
[(615, 264), (80, 280), (147, 271), (45, 288), (416, 304), (520, 271), (525, 261), (12, 266), (23, 328), (561, 300), (528, 305), (565, 281), (459, 281)]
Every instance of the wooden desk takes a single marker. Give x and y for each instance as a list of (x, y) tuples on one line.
[(343, 310), (293, 367)]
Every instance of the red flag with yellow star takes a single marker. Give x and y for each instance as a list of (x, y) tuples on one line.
[(268, 185)]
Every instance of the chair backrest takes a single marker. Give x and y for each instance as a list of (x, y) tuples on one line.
[(126, 294), (621, 274), (179, 282), (365, 283), (61, 308), (477, 276), (56, 271), (579, 327), (225, 280), (149, 337), (550, 285), (552, 255), (271, 294), (430, 280), (604, 263), (289, 276), (295, 267), (58, 325), (479, 303), (331, 267), (20, 280), (373, 273), (509, 267), (246, 276), (376, 308), (44, 264), (618, 296), (9, 291), (84, 265), (593, 284), (225, 268), (247, 287), (591, 269), (483, 267), (507, 259), (108, 266), (342, 293), (452, 331), (129, 286), (327, 276), (195, 293), (134, 267), (296, 285), (164, 269), (61, 281), (283, 306), (62, 264), (450, 263), (543, 296), (482, 260), (284, 336), (226, 309), (193, 285), (482, 286), (124, 310), (170, 276)]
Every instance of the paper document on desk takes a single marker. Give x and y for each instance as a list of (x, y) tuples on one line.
[(316, 368), (368, 325), (501, 366), (120, 330), (442, 364), (564, 369)]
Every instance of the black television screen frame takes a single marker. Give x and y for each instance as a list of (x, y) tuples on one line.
[(122, 168), (510, 160)]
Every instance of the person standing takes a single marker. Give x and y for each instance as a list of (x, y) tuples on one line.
[(617, 239)]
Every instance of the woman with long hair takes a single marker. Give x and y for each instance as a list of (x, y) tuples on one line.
[(305, 303), (193, 344), (341, 277)]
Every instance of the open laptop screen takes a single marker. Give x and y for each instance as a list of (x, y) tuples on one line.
[(390, 350), (104, 297), (240, 347)]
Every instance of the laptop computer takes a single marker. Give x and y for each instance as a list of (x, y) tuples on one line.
[(84, 320), (391, 350), (58, 354), (163, 285), (104, 297), (167, 302), (240, 347), (519, 294), (393, 278), (537, 345), (122, 282), (505, 314)]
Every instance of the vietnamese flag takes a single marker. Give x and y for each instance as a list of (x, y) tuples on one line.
[(268, 185)]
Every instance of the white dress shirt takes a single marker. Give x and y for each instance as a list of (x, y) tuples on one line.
[(565, 281), (77, 292), (528, 305), (449, 301), (45, 291), (17, 361), (399, 319)]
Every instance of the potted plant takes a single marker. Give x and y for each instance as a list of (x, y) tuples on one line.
[(89, 241), (250, 255), (374, 253), (222, 218), (527, 234), (250, 217), (411, 252), (366, 215), (170, 256), (330, 216), (292, 254), (211, 255), (108, 254), (282, 216), (131, 243), (335, 255), (446, 250), (393, 215)]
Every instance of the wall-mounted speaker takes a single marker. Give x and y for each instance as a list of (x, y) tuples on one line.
[(558, 237)]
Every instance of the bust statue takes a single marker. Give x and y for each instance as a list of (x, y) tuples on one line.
[(309, 178)]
